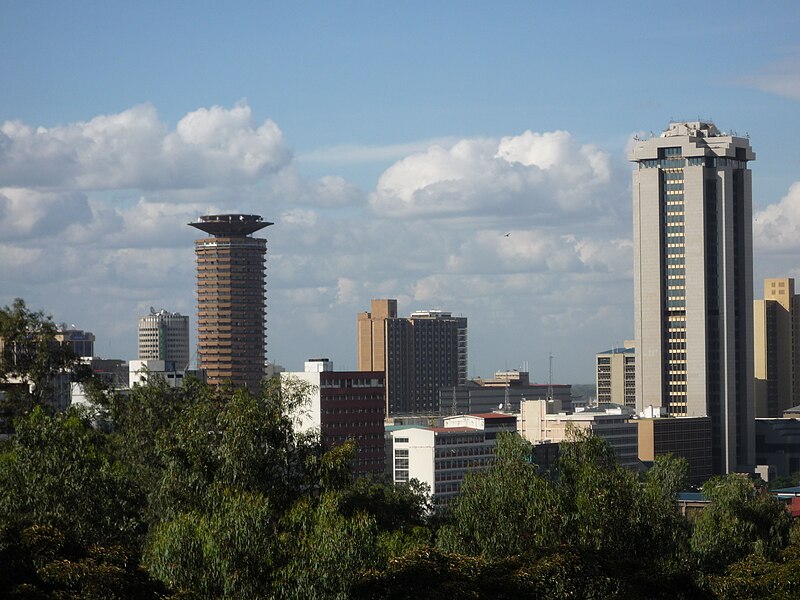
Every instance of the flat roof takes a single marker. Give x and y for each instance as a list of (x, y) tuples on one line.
[(492, 415)]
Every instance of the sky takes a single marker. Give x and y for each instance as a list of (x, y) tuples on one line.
[(462, 156)]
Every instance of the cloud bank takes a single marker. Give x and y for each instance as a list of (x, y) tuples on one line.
[(134, 149)]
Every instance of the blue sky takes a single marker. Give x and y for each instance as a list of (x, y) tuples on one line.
[(392, 143)]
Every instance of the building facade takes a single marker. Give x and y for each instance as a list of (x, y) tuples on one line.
[(505, 391), (231, 308), (81, 342), (419, 355), (164, 336), (692, 209), (345, 405), (778, 445), (616, 376), (777, 348), (688, 437), (439, 457), (538, 423)]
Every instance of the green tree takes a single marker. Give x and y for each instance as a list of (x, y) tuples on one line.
[(233, 472), (742, 519), (506, 510), (325, 552), (69, 517), (31, 359), (59, 473), (228, 550)]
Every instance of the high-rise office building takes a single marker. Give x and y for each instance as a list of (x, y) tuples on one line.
[(615, 376), (231, 313), (164, 336), (777, 348), (419, 355), (692, 211)]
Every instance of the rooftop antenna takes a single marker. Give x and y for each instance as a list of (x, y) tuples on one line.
[(454, 405), (550, 381)]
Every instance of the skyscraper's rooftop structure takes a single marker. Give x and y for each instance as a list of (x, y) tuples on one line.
[(230, 225), (691, 128)]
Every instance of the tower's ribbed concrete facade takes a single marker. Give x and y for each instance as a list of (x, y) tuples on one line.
[(231, 313), (692, 210)]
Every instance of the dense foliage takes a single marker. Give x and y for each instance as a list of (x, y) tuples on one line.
[(195, 493)]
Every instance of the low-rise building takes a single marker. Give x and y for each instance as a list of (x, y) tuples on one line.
[(139, 371), (439, 457), (688, 437), (778, 445), (491, 423), (538, 423), (504, 391)]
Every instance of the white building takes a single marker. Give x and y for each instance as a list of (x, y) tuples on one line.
[(165, 336), (439, 457), (693, 282), (140, 370)]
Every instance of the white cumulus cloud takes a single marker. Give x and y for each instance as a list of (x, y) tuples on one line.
[(541, 174), (134, 149), (777, 227)]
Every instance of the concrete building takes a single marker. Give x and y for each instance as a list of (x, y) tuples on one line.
[(538, 423), (688, 437), (616, 376), (419, 355), (231, 313), (439, 457), (507, 389), (491, 423), (778, 445), (692, 211), (776, 321), (139, 371), (345, 405), (164, 336), (81, 342)]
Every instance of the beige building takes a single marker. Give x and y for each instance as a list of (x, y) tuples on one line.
[(693, 302), (688, 437), (539, 423), (616, 376), (419, 355), (777, 348), (231, 299)]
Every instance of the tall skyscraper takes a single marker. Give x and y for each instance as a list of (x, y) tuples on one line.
[(692, 212), (165, 336), (231, 313), (777, 348), (419, 355)]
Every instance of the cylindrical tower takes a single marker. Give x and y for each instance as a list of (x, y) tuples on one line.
[(231, 314)]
